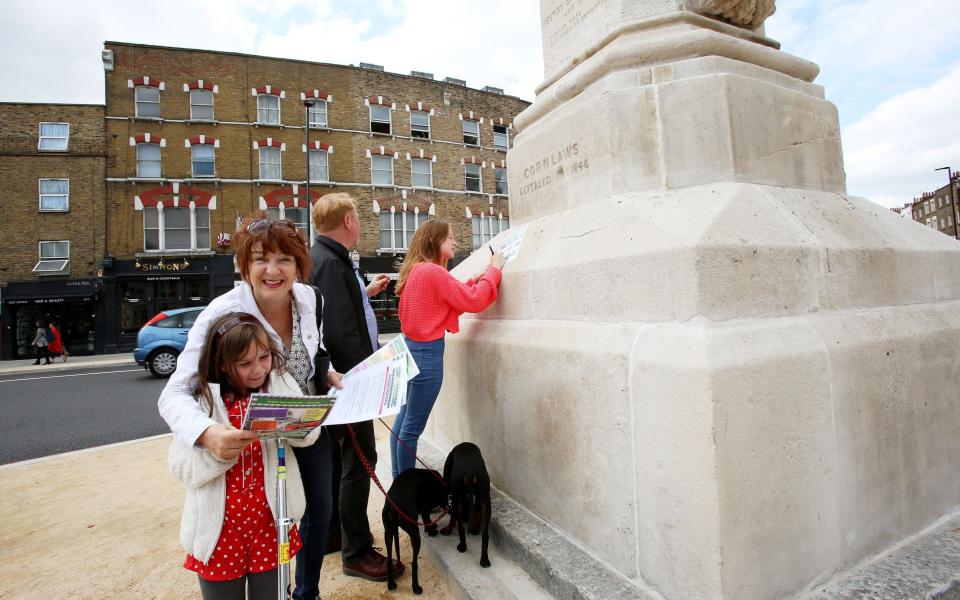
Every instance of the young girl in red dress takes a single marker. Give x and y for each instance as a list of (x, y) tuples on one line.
[(228, 526)]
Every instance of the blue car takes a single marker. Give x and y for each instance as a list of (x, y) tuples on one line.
[(162, 339)]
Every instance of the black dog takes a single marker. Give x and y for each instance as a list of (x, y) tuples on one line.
[(469, 487), (416, 492)]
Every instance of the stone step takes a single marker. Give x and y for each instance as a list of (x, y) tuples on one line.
[(529, 558)]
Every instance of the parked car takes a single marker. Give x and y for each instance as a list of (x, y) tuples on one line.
[(162, 338)]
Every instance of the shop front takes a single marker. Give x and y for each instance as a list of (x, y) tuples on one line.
[(136, 290), (71, 305)]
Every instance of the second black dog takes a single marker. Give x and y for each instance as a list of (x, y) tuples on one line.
[(469, 487), (416, 492)]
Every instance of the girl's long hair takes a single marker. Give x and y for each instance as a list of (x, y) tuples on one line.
[(222, 351), (424, 247)]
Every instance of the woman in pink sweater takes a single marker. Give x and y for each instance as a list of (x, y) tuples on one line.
[(431, 302)]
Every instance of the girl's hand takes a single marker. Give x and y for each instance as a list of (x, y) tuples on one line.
[(225, 442), (497, 260)]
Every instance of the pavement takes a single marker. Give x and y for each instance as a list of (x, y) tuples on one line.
[(17, 367)]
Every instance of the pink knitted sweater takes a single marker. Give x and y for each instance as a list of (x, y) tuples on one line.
[(433, 300)]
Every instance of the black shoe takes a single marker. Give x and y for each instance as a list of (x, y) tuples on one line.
[(48, 363), (37, 363), (334, 543)]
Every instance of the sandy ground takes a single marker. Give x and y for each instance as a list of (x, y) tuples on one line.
[(104, 523)]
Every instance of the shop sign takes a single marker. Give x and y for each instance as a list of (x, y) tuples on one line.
[(161, 265)]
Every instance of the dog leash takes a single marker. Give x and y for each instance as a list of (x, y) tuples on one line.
[(373, 476)]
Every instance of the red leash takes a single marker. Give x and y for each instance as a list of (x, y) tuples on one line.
[(373, 476)]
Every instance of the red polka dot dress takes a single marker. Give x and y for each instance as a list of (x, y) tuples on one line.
[(248, 539)]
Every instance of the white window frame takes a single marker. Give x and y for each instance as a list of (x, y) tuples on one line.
[(194, 161), (316, 110), (373, 161), (465, 133), (193, 117), (389, 120), (324, 169), (488, 226), (162, 231), (66, 139), (281, 213), (429, 131), (505, 135), (137, 101), (41, 195), (279, 163), (52, 261), (414, 174), (466, 178), (269, 110), (159, 161), (506, 189), (402, 234)]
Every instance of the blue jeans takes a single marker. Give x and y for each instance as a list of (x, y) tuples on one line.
[(422, 392), (315, 466)]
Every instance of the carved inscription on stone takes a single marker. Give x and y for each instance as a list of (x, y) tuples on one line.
[(569, 26), (550, 168)]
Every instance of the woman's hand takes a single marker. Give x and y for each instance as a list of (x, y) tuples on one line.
[(333, 379), (497, 260), (225, 442), (379, 283)]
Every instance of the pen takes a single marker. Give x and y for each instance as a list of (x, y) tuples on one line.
[(491, 250)]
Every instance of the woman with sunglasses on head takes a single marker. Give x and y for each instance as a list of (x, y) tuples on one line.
[(272, 256), (431, 302)]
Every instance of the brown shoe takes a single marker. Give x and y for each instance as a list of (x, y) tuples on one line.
[(372, 566)]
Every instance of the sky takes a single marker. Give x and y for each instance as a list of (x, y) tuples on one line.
[(891, 67)]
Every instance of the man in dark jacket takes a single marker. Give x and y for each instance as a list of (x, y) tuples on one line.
[(350, 336)]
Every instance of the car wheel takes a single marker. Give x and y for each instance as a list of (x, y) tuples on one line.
[(162, 363)]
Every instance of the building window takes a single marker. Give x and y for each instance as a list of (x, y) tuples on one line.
[(421, 173), (55, 195), (270, 163), (268, 109), (201, 105), (420, 124), (318, 113), (486, 227), (471, 173), (471, 132), (176, 228), (500, 179), (381, 170), (54, 258), (54, 136), (319, 165), (300, 216), (501, 139), (397, 228), (380, 119), (148, 101), (203, 159), (148, 159)]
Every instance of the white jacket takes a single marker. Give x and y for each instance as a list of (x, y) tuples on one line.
[(177, 405), (204, 476)]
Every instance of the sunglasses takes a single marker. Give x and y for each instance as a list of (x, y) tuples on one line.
[(237, 320), (258, 226)]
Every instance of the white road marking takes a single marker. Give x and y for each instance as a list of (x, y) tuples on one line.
[(73, 375)]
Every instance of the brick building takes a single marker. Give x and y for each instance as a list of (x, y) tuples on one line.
[(52, 162), (196, 139), (937, 209)]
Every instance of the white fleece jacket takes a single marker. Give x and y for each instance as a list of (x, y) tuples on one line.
[(204, 476)]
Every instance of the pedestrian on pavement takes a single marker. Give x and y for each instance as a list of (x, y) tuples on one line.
[(431, 302), (350, 336), (40, 342), (272, 257), (56, 347), (229, 522)]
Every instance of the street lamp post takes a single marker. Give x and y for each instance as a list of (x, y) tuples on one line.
[(953, 200), (308, 104)]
